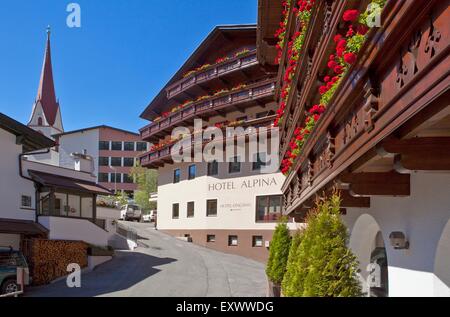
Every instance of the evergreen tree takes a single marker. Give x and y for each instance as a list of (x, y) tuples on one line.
[(279, 252), (291, 285), (326, 266)]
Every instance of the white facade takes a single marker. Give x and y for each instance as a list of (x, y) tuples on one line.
[(235, 193), (424, 217), (12, 186), (85, 141)]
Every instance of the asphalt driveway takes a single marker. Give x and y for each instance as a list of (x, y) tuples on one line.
[(165, 267)]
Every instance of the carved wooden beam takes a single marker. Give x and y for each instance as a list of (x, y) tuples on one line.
[(376, 184), (418, 154)]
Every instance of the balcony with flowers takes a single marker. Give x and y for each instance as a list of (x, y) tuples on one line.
[(237, 98), (160, 153), (227, 68)]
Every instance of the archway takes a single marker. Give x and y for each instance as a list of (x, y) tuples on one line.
[(442, 264), (366, 242), (40, 121)]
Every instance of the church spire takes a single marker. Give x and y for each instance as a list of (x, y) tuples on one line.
[(46, 92)]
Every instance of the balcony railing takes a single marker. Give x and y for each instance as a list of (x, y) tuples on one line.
[(211, 105), (163, 155), (215, 71)]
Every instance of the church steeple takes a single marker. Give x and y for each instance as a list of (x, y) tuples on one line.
[(46, 93)]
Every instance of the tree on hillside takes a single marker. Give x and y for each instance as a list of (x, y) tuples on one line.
[(326, 266), (278, 252), (147, 183)]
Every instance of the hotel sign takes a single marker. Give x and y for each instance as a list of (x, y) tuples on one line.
[(242, 185)]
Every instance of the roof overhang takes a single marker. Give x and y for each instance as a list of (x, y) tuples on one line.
[(26, 227), (29, 138), (67, 183)]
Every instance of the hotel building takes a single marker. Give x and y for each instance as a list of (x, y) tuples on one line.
[(384, 137), (227, 206)]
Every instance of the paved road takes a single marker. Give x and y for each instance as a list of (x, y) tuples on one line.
[(164, 266)]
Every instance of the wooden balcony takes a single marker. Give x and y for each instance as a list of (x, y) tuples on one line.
[(157, 158), (218, 72), (375, 126), (258, 93)]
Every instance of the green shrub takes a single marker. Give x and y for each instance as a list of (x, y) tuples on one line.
[(290, 284), (279, 252), (325, 265)]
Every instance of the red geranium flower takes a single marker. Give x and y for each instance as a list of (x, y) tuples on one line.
[(338, 69), (350, 58), (332, 64), (350, 15)]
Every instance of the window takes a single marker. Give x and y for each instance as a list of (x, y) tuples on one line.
[(192, 171), (232, 241), (259, 161), (190, 209), (40, 121), (176, 176), (103, 145), (128, 146), (268, 208), (243, 118), (116, 161), (128, 179), (213, 168), (175, 211), (103, 161), (258, 241), (141, 146), (235, 165), (25, 201), (116, 146), (116, 178), (210, 238), (128, 161), (211, 208), (103, 178)]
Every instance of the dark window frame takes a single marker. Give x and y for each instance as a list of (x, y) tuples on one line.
[(208, 214), (115, 148), (230, 239), (127, 179), (178, 211), (100, 179), (267, 215), (128, 149), (176, 178), (191, 175), (256, 166), (210, 238), (254, 239), (190, 212), (116, 158), (141, 146), (101, 146), (231, 166), (213, 168), (125, 159), (101, 161)]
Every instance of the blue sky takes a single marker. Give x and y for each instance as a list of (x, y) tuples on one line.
[(108, 70)]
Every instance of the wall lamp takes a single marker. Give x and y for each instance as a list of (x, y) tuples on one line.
[(398, 240)]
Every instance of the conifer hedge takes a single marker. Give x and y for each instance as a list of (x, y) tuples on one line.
[(320, 263), (278, 252)]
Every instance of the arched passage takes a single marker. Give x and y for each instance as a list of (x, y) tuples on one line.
[(442, 264), (366, 242)]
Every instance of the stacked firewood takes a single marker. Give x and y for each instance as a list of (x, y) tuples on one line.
[(50, 258)]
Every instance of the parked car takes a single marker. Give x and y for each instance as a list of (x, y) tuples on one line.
[(10, 260), (147, 218), (133, 212)]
